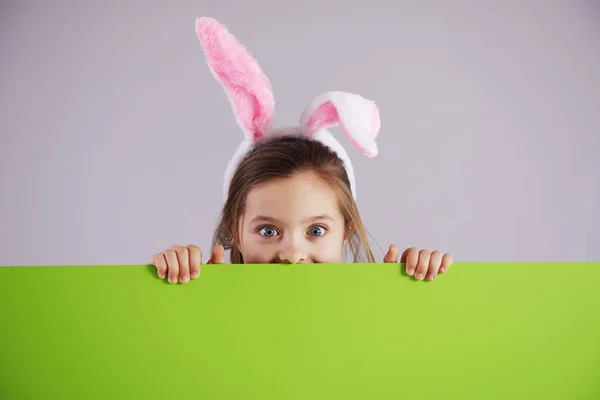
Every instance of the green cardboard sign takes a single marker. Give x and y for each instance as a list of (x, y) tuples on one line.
[(319, 331)]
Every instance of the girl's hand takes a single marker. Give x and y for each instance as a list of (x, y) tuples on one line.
[(420, 263), (181, 263)]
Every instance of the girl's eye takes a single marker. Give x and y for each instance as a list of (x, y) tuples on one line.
[(267, 231), (317, 231)]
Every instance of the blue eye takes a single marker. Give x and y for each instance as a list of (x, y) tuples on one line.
[(268, 231), (317, 231)]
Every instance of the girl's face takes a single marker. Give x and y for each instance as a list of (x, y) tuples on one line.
[(292, 220)]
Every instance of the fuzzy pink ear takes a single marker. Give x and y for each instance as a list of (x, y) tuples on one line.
[(358, 117), (245, 84)]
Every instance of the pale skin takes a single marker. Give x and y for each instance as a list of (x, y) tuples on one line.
[(294, 220)]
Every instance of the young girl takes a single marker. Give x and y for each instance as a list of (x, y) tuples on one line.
[(289, 193)]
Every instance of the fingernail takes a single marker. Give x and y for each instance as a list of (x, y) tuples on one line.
[(185, 279), (195, 275), (410, 271), (419, 275), (173, 279), (432, 277), (160, 275), (442, 269)]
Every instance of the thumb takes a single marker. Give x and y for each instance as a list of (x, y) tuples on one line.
[(392, 255), (217, 256)]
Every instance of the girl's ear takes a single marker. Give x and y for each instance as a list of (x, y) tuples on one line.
[(347, 233), (247, 87)]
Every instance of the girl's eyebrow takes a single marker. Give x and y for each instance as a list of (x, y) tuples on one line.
[(319, 217), (264, 218)]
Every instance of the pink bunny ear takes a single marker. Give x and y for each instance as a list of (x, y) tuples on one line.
[(245, 84), (358, 117)]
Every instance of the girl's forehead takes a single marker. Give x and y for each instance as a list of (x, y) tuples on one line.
[(297, 197)]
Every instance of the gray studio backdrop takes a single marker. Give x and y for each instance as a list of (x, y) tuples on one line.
[(115, 136)]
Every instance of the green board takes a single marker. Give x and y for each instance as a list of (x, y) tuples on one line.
[(347, 331)]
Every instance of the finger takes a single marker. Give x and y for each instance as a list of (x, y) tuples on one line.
[(218, 255), (446, 263), (184, 263), (392, 255), (410, 256), (160, 263), (423, 264), (195, 257), (435, 261), (172, 265)]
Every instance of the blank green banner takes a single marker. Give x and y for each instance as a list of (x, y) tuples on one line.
[(319, 331)]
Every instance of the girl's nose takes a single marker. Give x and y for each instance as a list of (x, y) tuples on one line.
[(292, 250)]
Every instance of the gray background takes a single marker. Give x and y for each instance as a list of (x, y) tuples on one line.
[(115, 136)]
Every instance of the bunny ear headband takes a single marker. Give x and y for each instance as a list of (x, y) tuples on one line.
[(251, 97)]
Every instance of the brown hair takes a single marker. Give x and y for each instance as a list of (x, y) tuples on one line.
[(281, 158)]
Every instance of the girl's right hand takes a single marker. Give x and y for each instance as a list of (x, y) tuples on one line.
[(180, 264)]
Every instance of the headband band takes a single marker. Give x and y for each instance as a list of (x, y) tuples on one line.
[(251, 96)]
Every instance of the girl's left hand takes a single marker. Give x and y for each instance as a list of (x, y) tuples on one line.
[(420, 263)]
